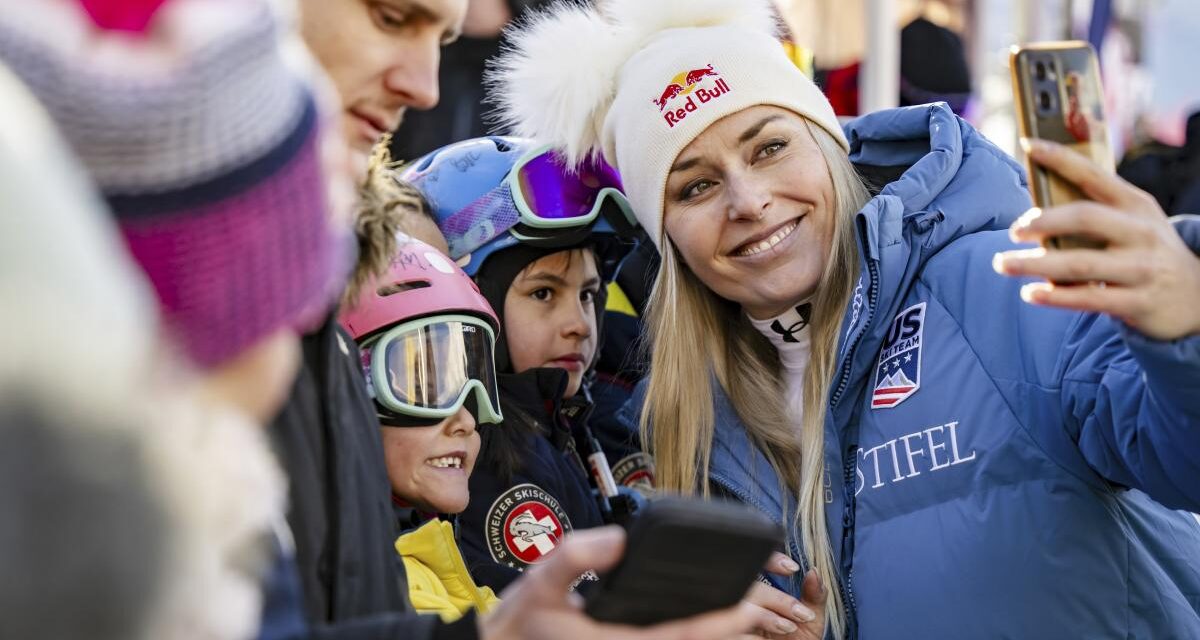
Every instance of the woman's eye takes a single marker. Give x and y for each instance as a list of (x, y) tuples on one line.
[(771, 148), (588, 295), (390, 17), (695, 188), (542, 294)]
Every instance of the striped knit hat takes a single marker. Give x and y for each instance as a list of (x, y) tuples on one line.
[(198, 121)]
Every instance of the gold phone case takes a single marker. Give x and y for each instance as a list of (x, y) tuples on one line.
[(1058, 96)]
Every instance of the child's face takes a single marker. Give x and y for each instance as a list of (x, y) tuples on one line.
[(550, 315), (429, 466)]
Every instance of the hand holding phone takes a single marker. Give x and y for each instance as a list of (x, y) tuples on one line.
[(538, 606), (684, 558), (1130, 263), (1147, 276)]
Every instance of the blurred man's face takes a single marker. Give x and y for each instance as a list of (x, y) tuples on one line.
[(382, 55)]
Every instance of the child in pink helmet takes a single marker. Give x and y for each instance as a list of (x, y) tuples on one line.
[(427, 336)]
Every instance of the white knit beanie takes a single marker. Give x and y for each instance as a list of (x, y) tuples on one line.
[(636, 81)]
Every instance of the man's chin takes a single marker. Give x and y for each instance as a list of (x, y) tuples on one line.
[(360, 144), (359, 161), (364, 138)]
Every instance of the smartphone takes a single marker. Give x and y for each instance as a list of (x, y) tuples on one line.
[(684, 557), (1059, 97)]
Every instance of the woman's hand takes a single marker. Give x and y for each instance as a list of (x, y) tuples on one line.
[(779, 615), (1146, 276)]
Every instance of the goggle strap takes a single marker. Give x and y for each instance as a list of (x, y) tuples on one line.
[(488, 217)]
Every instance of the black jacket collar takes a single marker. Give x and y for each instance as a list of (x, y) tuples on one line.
[(536, 392)]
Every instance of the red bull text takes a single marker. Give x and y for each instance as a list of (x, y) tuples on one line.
[(684, 85)]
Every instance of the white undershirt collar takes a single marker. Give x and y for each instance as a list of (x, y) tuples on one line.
[(790, 335)]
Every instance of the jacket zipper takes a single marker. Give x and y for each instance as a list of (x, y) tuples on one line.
[(848, 545), (844, 374), (847, 589), (802, 558)]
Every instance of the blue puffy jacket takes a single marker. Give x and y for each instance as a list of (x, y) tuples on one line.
[(990, 463)]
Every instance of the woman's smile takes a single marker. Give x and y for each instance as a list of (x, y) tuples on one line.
[(755, 247)]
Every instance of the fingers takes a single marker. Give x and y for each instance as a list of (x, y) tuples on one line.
[(813, 591), (1087, 218), (1120, 302), (1095, 182), (1076, 265), (719, 625), (779, 604), (597, 549), (781, 565), (769, 622)]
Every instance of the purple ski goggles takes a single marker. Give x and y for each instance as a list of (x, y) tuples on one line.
[(540, 199)]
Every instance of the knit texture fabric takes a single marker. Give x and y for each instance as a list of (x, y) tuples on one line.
[(203, 135)]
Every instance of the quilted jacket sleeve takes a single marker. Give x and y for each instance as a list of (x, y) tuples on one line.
[(1137, 404)]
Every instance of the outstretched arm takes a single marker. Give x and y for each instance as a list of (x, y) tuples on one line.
[(1133, 393)]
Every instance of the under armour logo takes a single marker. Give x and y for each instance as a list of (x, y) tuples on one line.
[(799, 321)]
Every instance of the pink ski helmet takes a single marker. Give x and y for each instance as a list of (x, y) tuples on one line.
[(427, 341), (421, 281)]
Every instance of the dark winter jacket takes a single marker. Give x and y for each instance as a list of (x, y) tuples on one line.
[(631, 467), (622, 363), (511, 523), (1170, 174)]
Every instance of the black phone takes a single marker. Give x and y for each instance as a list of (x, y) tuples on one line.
[(1058, 96), (684, 557)]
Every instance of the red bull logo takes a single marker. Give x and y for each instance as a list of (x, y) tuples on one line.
[(686, 84)]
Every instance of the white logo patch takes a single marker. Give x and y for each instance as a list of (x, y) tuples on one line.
[(525, 524)]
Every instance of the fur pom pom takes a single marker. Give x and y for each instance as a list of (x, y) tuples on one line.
[(556, 81), (642, 19)]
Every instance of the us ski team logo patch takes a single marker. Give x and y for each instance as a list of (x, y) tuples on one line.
[(636, 471), (525, 524), (898, 373)]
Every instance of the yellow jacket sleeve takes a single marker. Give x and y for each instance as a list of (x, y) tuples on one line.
[(438, 580)]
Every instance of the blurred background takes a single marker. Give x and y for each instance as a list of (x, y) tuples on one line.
[(873, 54)]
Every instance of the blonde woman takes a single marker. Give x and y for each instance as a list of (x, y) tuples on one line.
[(957, 453)]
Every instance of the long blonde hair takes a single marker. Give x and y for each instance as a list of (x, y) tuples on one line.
[(689, 324)]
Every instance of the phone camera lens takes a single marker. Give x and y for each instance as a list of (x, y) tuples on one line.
[(1044, 100), (1039, 70)]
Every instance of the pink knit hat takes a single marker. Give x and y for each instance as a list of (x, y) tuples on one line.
[(197, 120)]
